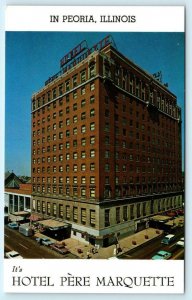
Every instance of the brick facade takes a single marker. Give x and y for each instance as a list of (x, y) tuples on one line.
[(106, 144)]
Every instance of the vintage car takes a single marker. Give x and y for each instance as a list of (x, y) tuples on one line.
[(13, 254), (162, 255), (59, 248)]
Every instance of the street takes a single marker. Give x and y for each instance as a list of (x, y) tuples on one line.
[(28, 247), (150, 249)]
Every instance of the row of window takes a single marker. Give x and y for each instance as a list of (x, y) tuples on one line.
[(137, 87), (54, 180), (83, 167), (61, 145), (75, 214), (45, 98), (67, 156), (69, 192)]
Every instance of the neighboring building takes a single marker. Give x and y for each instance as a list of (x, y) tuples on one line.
[(106, 145), (17, 195)]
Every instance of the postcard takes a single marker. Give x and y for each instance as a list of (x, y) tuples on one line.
[(94, 149)]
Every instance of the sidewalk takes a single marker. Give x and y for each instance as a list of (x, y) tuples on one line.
[(126, 244)]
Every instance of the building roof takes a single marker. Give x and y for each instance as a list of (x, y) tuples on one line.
[(11, 180)]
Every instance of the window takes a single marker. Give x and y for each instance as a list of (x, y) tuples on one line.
[(74, 143), (92, 153), (74, 80), (92, 193), (75, 131), (68, 121), (60, 168), (60, 124), (83, 116), (75, 168), (60, 146), (92, 140), (67, 85), (74, 155), (107, 140), (92, 112), (92, 86), (60, 210), (83, 167), (54, 126), (54, 209), (107, 217), (75, 106), (60, 89), (107, 167), (107, 154), (132, 211), (125, 216), (67, 156), (92, 180), (83, 180), (83, 215), (118, 214), (75, 214), (67, 133), (83, 76), (75, 95), (60, 135), (92, 167), (83, 142), (83, 102), (43, 207), (92, 126), (60, 179), (75, 180), (67, 212), (48, 208), (92, 70), (75, 119), (83, 128), (83, 154), (83, 90), (92, 217), (60, 113), (67, 145), (107, 127), (92, 99)]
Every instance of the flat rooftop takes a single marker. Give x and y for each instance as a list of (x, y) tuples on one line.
[(52, 224), (160, 218)]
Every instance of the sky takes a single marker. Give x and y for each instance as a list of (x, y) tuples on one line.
[(32, 57)]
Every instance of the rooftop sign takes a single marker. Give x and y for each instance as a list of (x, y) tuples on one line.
[(73, 57)]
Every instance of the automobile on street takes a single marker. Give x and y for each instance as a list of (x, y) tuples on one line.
[(59, 248), (13, 225), (162, 255), (13, 254), (44, 241)]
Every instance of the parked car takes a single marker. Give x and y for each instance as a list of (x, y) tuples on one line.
[(13, 254), (44, 241), (162, 255), (59, 248), (13, 225), (181, 243), (168, 239)]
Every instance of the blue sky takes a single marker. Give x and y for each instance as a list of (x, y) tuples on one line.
[(31, 57)]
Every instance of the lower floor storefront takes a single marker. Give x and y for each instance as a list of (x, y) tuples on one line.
[(104, 223)]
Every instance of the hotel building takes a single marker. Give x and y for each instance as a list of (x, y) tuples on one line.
[(106, 145)]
